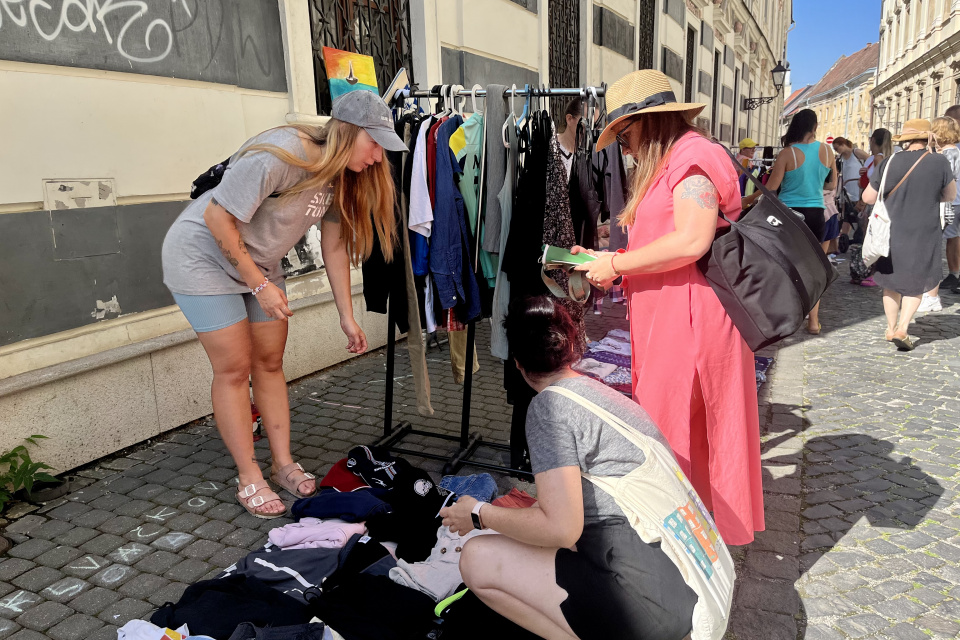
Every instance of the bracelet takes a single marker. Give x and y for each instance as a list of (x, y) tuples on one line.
[(612, 266), (263, 285)]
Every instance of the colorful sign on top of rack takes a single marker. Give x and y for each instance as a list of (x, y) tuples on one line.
[(348, 72)]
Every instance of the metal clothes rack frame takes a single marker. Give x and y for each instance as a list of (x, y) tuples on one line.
[(467, 443)]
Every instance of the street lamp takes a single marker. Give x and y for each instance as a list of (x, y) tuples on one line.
[(779, 73), (880, 108), (862, 127)]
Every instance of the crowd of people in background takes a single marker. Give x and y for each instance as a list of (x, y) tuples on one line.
[(834, 188)]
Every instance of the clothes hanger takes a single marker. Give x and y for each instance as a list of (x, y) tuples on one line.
[(458, 101), (443, 102), (513, 114), (473, 97), (526, 109)]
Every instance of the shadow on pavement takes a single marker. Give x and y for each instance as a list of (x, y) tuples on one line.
[(814, 495)]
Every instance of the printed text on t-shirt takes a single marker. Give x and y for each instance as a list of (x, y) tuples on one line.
[(319, 204)]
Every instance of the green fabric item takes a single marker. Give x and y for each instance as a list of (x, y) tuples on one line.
[(446, 602), (467, 145)]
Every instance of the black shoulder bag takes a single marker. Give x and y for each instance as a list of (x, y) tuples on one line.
[(767, 269)]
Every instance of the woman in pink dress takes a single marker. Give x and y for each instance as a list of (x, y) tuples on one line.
[(692, 371)]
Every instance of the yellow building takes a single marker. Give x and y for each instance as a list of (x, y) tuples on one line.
[(919, 61), (841, 99)]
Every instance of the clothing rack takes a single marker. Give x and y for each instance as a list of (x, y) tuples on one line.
[(468, 444)]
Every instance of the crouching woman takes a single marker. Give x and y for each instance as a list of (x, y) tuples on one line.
[(571, 566)]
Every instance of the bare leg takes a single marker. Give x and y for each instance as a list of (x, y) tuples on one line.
[(519, 582), (908, 308), (953, 254), (270, 391), (891, 309), (229, 351), (814, 321)]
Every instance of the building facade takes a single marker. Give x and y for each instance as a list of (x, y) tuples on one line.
[(110, 113), (919, 73), (842, 98)]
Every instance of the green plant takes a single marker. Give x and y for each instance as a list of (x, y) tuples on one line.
[(19, 471)]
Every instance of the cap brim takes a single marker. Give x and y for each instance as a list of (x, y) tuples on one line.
[(386, 138), (609, 133)]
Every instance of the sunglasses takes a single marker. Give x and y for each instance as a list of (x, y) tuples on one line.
[(620, 139)]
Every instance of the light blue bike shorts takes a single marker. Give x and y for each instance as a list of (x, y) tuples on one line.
[(210, 313)]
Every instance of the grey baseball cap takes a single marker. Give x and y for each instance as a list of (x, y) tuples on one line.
[(368, 111)]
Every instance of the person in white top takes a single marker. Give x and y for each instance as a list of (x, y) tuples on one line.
[(850, 207)]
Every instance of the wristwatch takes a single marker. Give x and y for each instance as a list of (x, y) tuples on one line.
[(475, 514)]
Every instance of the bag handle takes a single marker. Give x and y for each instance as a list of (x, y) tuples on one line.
[(919, 160)]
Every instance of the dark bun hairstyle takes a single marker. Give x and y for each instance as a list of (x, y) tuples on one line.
[(543, 337)]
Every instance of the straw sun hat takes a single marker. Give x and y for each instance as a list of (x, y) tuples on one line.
[(643, 91), (916, 129)]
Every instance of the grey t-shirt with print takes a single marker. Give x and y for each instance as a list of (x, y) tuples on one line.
[(562, 433), (270, 227)]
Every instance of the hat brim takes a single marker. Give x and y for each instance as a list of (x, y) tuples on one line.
[(386, 138), (609, 133), (911, 137)]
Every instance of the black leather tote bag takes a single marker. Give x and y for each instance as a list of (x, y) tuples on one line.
[(767, 269)]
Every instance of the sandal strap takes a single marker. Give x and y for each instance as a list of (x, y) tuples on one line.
[(250, 494), (294, 468)]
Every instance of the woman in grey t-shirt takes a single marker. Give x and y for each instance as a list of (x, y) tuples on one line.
[(571, 566), (221, 261)]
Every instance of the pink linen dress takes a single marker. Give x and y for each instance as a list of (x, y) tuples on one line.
[(692, 371)]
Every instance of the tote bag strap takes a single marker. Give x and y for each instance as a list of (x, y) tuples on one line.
[(902, 180)]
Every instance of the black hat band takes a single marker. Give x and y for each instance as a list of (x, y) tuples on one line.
[(657, 99)]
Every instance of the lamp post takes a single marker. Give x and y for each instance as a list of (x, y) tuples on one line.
[(779, 73), (880, 108)]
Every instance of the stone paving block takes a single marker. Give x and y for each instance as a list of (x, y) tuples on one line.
[(860, 626), (94, 601), (14, 604), (173, 541), (214, 529), (31, 549), (10, 568), (77, 536), (26, 524), (120, 525), (65, 590), (147, 492), (146, 533), (185, 522), (906, 631), (69, 511), (228, 556), (161, 514), (199, 504), (899, 609), (44, 615), (927, 596), (939, 626), (36, 579), (51, 529), (182, 482), (92, 519), (169, 593), (225, 512), (102, 544), (761, 624), (8, 628), (109, 502), (122, 612), (76, 627), (829, 607), (134, 508), (188, 571), (202, 549), (219, 474), (6, 588), (28, 634), (130, 553), (113, 576), (143, 586), (245, 538), (158, 562)]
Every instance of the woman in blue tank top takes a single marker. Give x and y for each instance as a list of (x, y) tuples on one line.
[(804, 169)]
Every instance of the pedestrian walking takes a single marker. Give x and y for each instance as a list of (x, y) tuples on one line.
[(221, 261), (575, 567), (691, 371), (946, 132), (917, 182), (850, 161), (802, 171)]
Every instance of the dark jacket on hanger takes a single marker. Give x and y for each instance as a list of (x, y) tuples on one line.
[(450, 262)]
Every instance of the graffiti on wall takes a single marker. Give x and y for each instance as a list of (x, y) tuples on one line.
[(235, 42)]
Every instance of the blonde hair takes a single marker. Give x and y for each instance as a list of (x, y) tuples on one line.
[(356, 194), (945, 131), (657, 132)]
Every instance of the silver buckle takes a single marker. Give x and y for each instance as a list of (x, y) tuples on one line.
[(258, 504), (246, 490)]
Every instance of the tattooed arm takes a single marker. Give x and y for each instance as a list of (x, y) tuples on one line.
[(223, 226), (695, 205)]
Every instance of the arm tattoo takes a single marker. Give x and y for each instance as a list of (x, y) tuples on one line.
[(700, 190), (214, 202), (226, 253), (243, 247)]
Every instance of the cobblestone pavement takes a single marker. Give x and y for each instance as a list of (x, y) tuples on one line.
[(860, 463)]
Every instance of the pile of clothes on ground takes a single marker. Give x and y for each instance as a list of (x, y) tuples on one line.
[(366, 558), (609, 361)]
